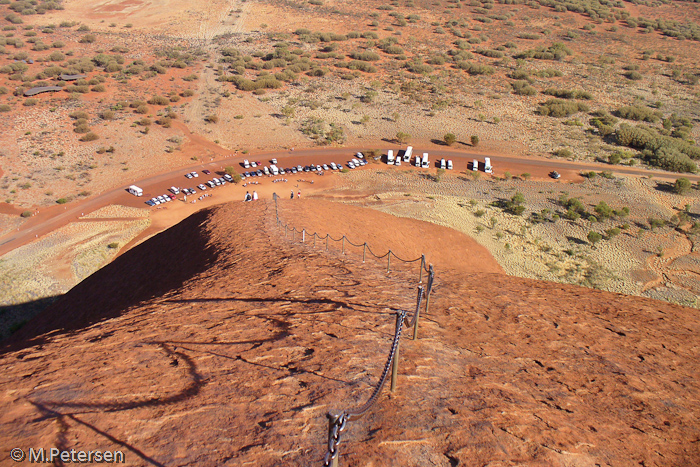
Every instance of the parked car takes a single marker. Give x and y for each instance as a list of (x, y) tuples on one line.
[(325, 167), (351, 165), (449, 164), (253, 164), (228, 178), (174, 190), (188, 175), (259, 173), (273, 161), (205, 171), (333, 166), (359, 155), (555, 175), (195, 174), (299, 168)]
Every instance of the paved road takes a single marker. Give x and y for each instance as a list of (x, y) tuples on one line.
[(55, 217)]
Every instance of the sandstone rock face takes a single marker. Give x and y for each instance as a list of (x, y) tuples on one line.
[(220, 342)]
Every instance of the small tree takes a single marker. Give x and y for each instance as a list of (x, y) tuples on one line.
[(525, 176), (402, 137), (475, 140), (654, 223), (594, 237), (604, 211), (682, 186), (450, 139), (230, 170)]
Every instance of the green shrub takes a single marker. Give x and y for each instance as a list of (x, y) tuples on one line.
[(523, 88), (474, 140), (87, 39), (556, 51), (89, 137), (26, 214), (474, 68), (638, 113), (158, 100), (682, 186), (113, 245), (30, 102), (559, 108), (594, 237), (5, 108), (367, 56), (62, 200), (568, 93), (450, 139)]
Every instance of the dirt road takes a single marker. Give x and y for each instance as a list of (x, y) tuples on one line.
[(54, 217)]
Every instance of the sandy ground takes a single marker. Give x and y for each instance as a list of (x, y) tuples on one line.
[(552, 250)]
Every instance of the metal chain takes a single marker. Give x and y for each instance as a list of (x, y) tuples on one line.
[(415, 314), (334, 431), (357, 413)]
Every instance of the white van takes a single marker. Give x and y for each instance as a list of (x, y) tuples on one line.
[(475, 165), (246, 164), (487, 165), (449, 164), (407, 154), (134, 190), (443, 164), (417, 160), (274, 169), (425, 163), (390, 157)]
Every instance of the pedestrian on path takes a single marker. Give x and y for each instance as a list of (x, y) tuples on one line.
[(299, 194), (255, 196), (292, 195), (247, 196)]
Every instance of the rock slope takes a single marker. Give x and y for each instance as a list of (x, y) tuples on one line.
[(220, 342)]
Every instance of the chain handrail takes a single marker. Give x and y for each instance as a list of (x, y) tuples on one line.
[(337, 422)]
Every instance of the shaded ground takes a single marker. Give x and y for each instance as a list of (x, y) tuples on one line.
[(236, 361)]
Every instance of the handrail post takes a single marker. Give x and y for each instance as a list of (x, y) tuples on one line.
[(395, 362), (314, 239), (422, 265), (326, 242), (388, 262), (294, 231), (343, 244), (430, 288), (415, 322), (303, 236), (364, 251), (332, 420)]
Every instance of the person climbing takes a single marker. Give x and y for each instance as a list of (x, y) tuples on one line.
[(255, 196), (291, 196), (247, 196)]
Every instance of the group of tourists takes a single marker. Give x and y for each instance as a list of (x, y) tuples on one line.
[(248, 196)]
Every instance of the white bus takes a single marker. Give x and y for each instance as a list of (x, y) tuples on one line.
[(134, 190)]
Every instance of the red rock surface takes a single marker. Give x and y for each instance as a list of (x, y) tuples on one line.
[(218, 342)]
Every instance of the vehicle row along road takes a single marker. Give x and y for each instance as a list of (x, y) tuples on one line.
[(54, 217)]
